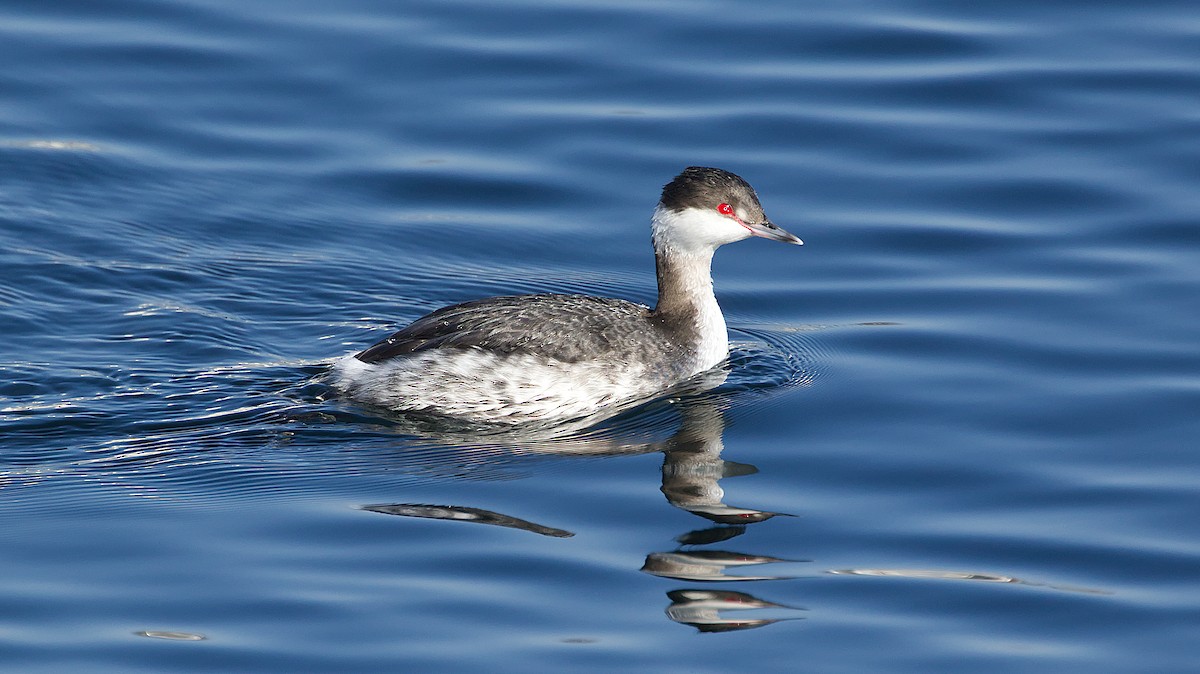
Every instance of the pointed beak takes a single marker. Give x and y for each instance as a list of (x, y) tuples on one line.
[(769, 230)]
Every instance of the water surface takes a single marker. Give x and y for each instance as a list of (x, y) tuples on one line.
[(958, 428)]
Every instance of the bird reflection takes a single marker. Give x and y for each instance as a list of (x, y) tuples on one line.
[(704, 609), (691, 474), (707, 565), (692, 470), (693, 467)]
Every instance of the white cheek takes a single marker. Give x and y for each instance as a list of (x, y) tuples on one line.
[(695, 229), (719, 229)]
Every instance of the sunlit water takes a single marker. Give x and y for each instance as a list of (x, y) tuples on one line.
[(957, 432)]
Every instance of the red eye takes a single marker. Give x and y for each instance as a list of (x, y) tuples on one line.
[(725, 209)]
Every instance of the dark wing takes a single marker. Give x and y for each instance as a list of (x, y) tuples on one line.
[(568, 328)]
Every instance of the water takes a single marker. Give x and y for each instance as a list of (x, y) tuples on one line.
[(971, 397)]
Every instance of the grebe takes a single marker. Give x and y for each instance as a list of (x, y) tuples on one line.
[(553, 357)]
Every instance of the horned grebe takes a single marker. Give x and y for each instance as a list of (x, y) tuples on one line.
[(559, 357)]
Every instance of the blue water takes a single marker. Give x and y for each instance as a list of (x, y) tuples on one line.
[(972, 398)]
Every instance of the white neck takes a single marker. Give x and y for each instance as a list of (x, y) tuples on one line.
[(686, 302)]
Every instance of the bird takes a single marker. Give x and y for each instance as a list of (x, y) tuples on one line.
[(550, 358)]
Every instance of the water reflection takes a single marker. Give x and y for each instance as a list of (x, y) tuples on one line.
[(171, 636), (692, 470), (465, 514), (940, 574), (710, 535), (703, 609), (706, 565), (691, 474)]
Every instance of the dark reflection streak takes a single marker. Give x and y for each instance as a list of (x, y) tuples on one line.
[(710, 535), (465, 514)]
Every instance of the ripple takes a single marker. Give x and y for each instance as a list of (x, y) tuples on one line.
[(171, 636), (205, 432), (983, 360)]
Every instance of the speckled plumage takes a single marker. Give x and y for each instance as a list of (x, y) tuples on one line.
[(553, 357), (566, 328)]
